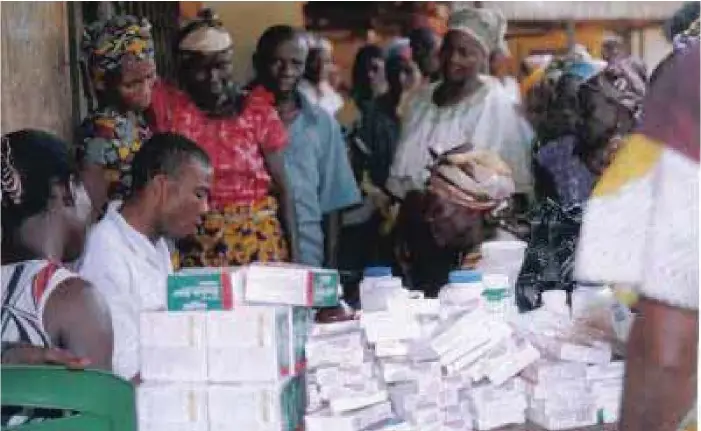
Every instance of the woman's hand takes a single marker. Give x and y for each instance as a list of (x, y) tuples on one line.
[(35, 355)]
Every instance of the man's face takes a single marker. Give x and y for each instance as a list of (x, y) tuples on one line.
[(461, 57), (186, 199), (283, 70), (207, 77)]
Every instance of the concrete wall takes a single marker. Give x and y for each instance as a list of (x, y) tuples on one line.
[(247, 20), (36, 85)]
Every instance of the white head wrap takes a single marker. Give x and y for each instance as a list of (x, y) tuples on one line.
[(486, 26), (207, 40)]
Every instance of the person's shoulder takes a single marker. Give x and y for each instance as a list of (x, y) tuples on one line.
[(104, 245)]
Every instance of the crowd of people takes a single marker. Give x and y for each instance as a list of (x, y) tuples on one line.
[(206, 172)]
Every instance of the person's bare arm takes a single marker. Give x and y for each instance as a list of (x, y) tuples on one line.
[(77, 319), (660, 383), (276, 166), (332, 232), (93, 178)]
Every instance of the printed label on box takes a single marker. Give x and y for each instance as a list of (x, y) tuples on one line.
[(200, 291)]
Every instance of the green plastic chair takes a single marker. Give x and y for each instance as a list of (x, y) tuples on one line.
[(100, 401)]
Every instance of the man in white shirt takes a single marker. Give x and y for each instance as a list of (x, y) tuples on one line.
[(126, 256)]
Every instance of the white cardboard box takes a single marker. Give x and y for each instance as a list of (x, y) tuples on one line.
[(287, 284), (255, 407), (250, 344), (351, 421), (172, 346), (176, 405)]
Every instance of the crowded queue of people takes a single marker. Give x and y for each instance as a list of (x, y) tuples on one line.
[(204, 171)]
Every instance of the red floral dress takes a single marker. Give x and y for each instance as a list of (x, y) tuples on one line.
[(243, 225)]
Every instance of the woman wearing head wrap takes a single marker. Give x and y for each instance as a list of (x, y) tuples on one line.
[(120, 60), (49, 314), (464, 110), (244, 137), (315, 85), (590, 110)]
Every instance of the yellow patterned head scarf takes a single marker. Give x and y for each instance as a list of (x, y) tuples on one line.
[(107, 43)]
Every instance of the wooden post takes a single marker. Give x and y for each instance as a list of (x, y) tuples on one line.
[(571, 35)]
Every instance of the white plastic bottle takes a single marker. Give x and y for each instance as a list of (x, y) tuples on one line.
[(496, 294), (464, 288), (377, 287)]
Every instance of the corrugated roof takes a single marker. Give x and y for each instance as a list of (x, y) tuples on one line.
[(582, 10)]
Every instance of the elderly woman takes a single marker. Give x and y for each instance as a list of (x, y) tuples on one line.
[(244, 137), (590, 111), (465, 110), (462, 110), (120, 60)]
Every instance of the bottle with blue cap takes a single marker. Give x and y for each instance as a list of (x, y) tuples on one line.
[(464, 289), (377, 287)]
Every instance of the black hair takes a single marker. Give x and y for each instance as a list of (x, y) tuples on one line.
[(682, 19), (361, 66), (422, 36), (271, 38), (33, 161), (164, 154)]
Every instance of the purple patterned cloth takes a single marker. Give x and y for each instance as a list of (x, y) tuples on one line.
[(572, 180)]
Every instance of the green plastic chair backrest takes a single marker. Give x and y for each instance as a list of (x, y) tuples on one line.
[(100, 401)]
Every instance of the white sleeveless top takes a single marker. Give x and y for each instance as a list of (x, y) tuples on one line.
[(26, 287)]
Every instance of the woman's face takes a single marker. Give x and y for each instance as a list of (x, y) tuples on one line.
[(402, 75), (376, 75), (136, 83), (319, 64), (207, 77), (461, 57)]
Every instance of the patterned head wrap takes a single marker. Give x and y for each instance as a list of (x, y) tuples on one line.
[(107, 43), (683, 40), (486, 26)]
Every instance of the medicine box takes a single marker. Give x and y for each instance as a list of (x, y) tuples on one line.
[(205, 289), (291, 285), (256, 407)]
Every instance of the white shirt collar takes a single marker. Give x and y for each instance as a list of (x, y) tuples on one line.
[(138, 243)]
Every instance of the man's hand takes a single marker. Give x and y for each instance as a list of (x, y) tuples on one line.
[(34, 355)]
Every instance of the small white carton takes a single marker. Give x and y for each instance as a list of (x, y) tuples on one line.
[(249, 344), (355, 420), (288, 284), (180, 406), (172, 347), (255, 407)]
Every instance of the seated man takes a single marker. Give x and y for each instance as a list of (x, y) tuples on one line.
[(126, 254)]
